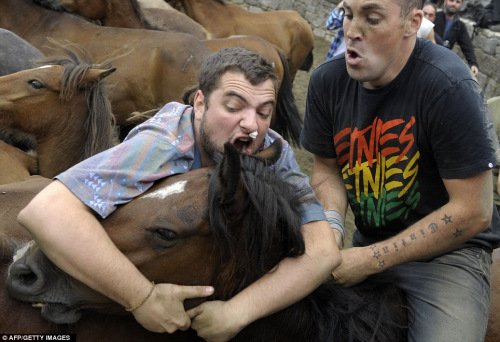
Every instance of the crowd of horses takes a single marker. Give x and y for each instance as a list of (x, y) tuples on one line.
[(72, 81)]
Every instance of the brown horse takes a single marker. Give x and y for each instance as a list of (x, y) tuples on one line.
[(153, 67), (130, 14), (227, 227), (18, 317), (15, 164), (285, 28), (63, 105)]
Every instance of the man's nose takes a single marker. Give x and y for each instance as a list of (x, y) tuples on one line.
[(249, 120)]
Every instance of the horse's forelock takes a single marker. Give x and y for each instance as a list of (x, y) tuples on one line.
[(266, 231)]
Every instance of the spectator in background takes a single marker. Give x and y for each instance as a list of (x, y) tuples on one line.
[(449, 26), (430, 10), (494, 24), (334, 22), (426, 30)]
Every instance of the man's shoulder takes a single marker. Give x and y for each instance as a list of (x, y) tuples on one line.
[(441, 62), (331, 72)]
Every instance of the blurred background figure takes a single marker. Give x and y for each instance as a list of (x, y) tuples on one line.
[(430, 10), (334, 22), (426, 30), (449, 26)]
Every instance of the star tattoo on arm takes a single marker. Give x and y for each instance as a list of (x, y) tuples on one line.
[(446, 219)]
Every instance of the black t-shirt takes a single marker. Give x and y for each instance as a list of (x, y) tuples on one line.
[(395, 144)]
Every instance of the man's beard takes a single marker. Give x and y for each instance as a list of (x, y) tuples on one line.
[(206, 143), (450, 10)]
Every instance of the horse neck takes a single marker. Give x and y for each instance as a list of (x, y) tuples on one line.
[(55, 156), (122, 14), (205, 11), (12, 21), (62, 146)]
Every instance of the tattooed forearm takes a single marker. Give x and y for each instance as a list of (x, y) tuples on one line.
[(446, 219), (379, 252), (378, 256)]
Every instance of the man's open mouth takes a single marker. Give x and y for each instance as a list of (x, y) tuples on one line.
[(243, 144)]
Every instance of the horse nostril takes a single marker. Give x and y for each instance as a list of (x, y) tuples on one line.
[(25, 275), (23, 280)]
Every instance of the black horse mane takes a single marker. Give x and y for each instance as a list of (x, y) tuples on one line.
[(254, 233), (50, 4), (288, 122), (99, 124), (23, 141), (374, 310)]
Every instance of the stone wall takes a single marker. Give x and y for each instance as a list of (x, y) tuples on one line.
[(487, 43)]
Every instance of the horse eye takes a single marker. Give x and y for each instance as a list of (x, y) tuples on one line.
[(165, 234), (36, 84)]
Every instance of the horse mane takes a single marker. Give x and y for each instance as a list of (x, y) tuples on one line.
[(288, 122), (53, 5), (138, 12), (254, 233), (23, 141), (374, 310), (100, 121)]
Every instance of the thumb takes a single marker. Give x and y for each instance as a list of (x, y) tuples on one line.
[(192, 313), (195, 291)]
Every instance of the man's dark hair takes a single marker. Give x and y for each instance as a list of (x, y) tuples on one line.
[(408, 5), (255, 68)]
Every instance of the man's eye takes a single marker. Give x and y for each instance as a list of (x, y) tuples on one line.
[(373, 21), (264, 115)]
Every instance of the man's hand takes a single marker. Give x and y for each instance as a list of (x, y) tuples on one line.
[(164, 310), (474, 70), (356, 266), (338, 239), (216, 321)]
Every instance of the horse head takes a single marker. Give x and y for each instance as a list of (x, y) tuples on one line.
[(224, 226), (63, 104)]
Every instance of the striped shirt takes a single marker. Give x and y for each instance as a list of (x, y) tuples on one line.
[(160, 147)]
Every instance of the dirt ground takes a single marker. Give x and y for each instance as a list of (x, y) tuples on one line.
[(300, 91)]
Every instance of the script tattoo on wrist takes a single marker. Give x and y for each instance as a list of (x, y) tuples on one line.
[(432, 228)]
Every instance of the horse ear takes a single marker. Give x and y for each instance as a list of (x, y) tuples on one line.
[(96, 74), (272, 153), (230, 174)]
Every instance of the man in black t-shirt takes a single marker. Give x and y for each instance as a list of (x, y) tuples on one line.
[(398, 129)]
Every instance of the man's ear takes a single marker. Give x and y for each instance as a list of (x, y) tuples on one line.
[(413, 21), (199, 102)]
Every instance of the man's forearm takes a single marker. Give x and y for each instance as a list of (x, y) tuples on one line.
[(439, 232), (293, 278), (78, 244)]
